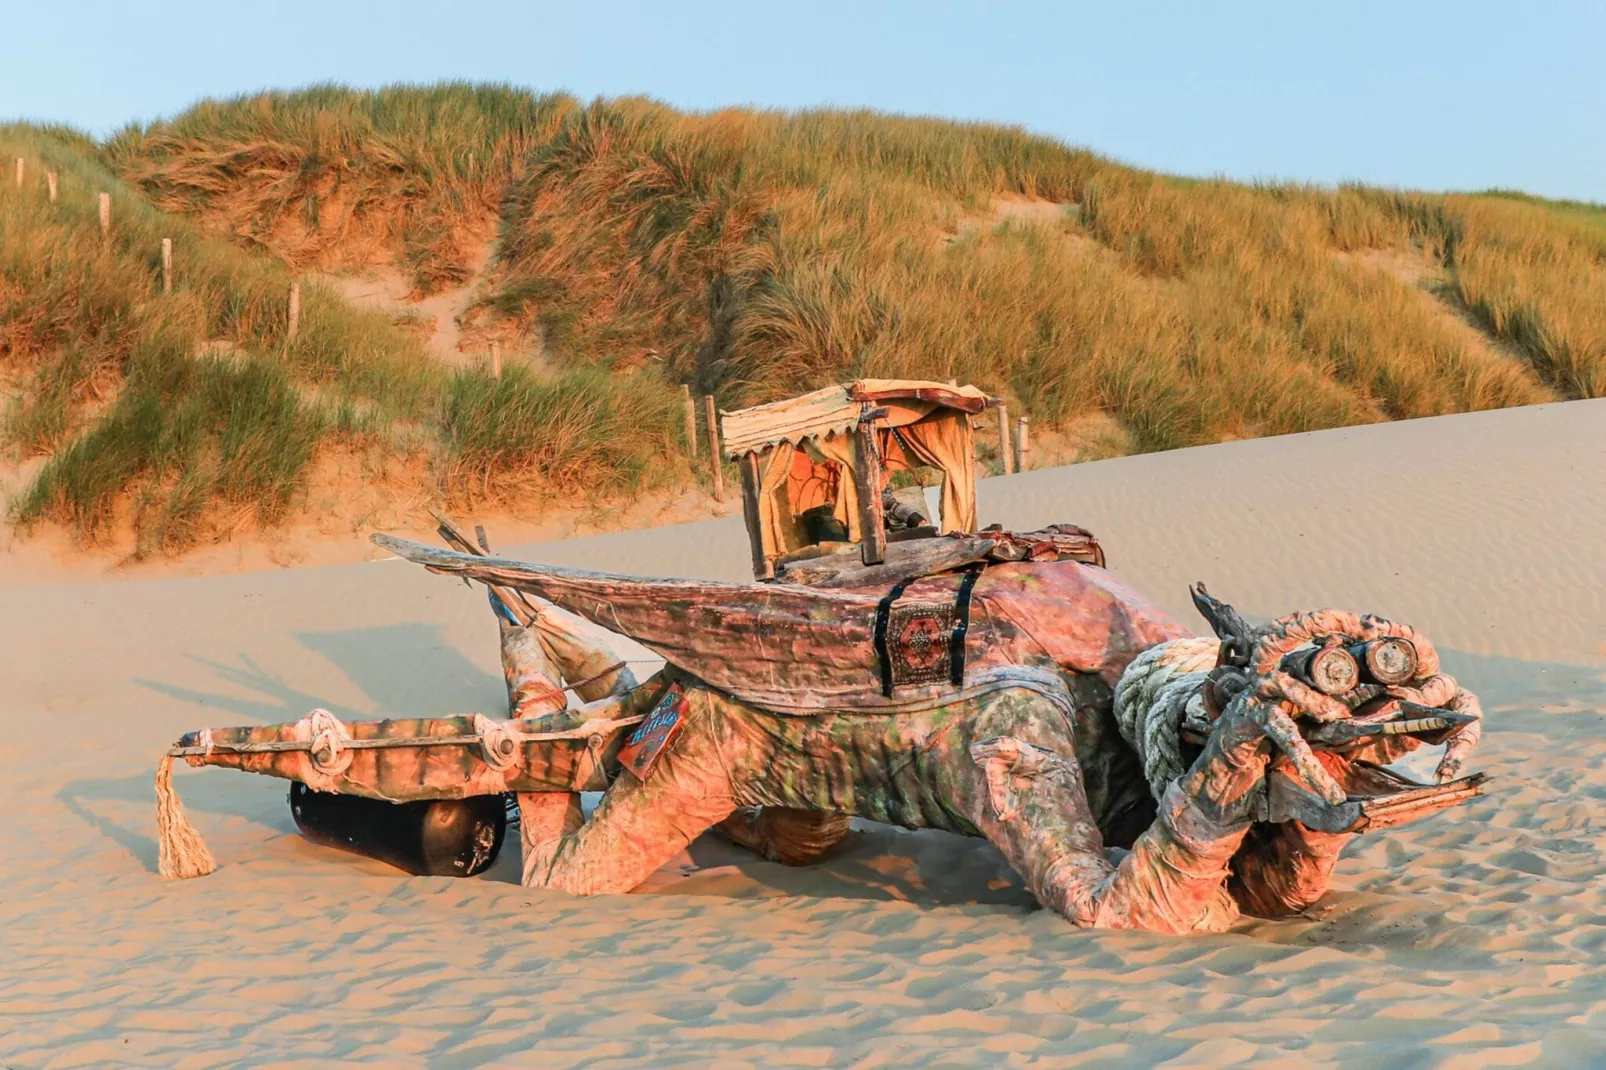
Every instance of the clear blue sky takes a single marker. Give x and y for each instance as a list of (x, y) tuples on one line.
[(1432, 95)]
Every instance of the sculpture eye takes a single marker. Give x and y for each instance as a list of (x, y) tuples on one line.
[(1332, 670), (1387, 661)]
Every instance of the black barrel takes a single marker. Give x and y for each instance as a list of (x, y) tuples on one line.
[(435, 838)]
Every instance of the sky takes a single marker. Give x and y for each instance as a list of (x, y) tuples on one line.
[(1425, 95)]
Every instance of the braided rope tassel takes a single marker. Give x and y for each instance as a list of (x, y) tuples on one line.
[(181, 853)]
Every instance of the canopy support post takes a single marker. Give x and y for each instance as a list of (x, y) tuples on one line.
[(867, 474), (752, 483)]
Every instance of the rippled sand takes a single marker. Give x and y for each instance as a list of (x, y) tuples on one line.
[(1477, 938)]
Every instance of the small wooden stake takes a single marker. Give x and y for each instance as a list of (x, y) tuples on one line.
[(50, 181), (714, 458), (496, 360), (867, 474), (752, 482), (106, 215), (691, 419), (20, 167), (167, 265), (295, 312), (1005, 457), (1022, 444)]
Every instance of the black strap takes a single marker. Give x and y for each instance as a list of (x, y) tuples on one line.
[(956, 641), (883, 610)]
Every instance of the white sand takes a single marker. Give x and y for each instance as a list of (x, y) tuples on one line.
[(1476, 938)]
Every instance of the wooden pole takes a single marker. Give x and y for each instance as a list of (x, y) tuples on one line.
[(20, 167), (752, 482), (1022, 444), (105, 215), (295, 312), (712, 418), (50, 181), (867, 474), (691, 419), (167, 265), (496, 360), (1005, 458)]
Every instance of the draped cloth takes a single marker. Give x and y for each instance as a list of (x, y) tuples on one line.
[(941, 440)]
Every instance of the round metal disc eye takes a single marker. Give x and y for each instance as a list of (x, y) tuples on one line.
[(1391, 660), (1333, 670)]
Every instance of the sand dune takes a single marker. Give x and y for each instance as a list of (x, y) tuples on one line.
[(1474, 939)]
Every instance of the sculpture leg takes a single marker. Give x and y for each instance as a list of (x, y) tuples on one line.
[(580, 657), (639, 825), (538, 659), (534, 684), (1023, 790)]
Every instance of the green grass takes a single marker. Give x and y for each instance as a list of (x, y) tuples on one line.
[(751, 254), (582, 432)]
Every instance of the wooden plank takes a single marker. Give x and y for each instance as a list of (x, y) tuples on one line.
[(20, 166), (105, 214), (496, 360), (50, 183), (867, 474), (167, 265), (752, 483), (1022, 444), (714, 459)]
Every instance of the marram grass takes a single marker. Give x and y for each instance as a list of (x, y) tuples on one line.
[(751, 254)]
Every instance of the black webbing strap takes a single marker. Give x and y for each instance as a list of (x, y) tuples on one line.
[(883, 610), (956, 638), (956, 641)]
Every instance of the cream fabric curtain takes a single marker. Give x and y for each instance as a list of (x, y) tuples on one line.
[(777, 526), (942, 442), (843, 451)]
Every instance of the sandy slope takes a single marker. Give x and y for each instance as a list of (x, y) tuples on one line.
[(1478, 938)]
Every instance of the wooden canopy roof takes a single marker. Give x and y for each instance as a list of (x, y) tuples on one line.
[(836, 410)]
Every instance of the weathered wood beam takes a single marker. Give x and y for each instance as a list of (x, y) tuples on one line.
[(752, 483), (867, 474)]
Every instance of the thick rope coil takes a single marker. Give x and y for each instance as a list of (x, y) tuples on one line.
[(1152, 699), (328, 756), (500, 743)]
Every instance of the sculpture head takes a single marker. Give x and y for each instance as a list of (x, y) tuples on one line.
[(1361, 691)]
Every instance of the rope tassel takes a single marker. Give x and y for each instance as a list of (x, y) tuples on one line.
[(181, 853)]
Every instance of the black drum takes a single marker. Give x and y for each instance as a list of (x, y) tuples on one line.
[(435, 838)]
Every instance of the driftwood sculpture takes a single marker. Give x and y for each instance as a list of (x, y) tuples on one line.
[(1135, 776)]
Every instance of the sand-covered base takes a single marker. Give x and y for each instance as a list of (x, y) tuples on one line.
[(1477, 938)]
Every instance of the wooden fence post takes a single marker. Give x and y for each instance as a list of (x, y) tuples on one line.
[(167, 265), (105, 215), (295, 312), (50, 181), (1022, 444), (496, 360), (19, 172), (714, 458), (1005, 458), (691, 419)]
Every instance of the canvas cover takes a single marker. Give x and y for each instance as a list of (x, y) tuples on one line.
[(802, 650)]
